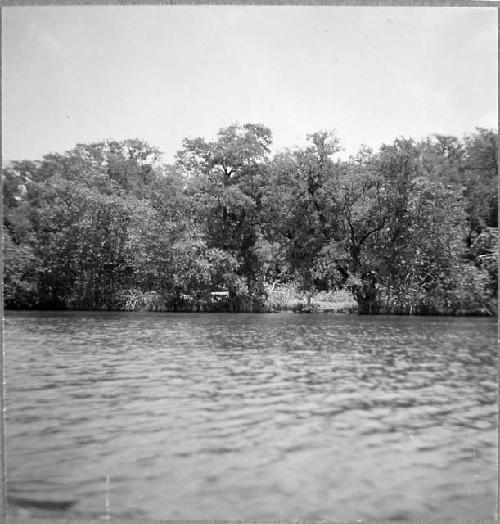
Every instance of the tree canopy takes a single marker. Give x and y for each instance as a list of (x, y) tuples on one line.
[(410, 228)]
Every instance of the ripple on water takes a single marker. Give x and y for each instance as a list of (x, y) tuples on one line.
[(250, 416)]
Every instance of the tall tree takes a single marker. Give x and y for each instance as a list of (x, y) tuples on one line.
[(225, 179)]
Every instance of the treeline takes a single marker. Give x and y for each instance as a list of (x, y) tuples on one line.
[(408, 229)]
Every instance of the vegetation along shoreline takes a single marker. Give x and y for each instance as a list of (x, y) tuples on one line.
[(408, 229)]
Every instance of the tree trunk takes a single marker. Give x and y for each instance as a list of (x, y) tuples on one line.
[(366, 296)]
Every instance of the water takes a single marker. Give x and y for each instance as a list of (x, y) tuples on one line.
[(216, 416)]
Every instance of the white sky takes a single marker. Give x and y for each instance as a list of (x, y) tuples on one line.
[(161, 73)]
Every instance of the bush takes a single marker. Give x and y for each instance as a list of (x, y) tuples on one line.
[(136, 300)]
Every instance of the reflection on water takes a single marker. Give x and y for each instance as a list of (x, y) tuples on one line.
[(172, 416)]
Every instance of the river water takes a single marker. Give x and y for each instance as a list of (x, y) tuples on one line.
[(248, 416)]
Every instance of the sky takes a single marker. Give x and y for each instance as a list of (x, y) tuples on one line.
[(162, 73)]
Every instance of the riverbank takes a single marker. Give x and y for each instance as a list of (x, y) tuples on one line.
[(288, 298), (278, 299)]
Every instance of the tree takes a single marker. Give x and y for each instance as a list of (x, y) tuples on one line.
[(225, 179), (411, 228), (481, 180), (298, 183), (20, 271)]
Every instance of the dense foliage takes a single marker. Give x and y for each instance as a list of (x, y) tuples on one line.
[(408, 229)]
